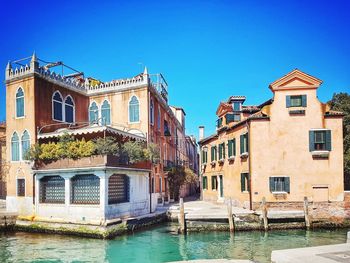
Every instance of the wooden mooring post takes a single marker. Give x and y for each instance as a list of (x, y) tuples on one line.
[(264, 213), (306, 213), (182, 223), (230, 216)]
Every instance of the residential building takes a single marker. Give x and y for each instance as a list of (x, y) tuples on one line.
[(42, 103), (284, 149)]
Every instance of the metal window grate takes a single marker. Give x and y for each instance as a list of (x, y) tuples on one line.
[(118, 189), (52, 190), (21, 186), (85, 189)]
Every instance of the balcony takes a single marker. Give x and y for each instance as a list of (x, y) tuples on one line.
[(89, 162)]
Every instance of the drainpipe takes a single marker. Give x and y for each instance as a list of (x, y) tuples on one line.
[(249, 168), (150, 192)]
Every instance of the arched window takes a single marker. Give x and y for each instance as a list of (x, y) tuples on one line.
[(85, 189), (57, 103), (15, 147), (19, 103), (151, 112), (25, 144), (93, 112), (118, 189), (134, 110), (158, 119), (69, 109), (106, 113)]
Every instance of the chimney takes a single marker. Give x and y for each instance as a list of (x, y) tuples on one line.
[(201, 132)]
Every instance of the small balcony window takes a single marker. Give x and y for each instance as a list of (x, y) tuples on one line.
[(296, 101)]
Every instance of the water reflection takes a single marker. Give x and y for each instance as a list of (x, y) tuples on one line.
[(160, 245)]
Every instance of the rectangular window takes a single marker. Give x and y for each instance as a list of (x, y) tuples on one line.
[(166, 128), (152, 186), (244, 143), (214, 182), (245, 182), (219, 123), (231, 148), (279, 184), (296, 101), (236, 106), (221, 151), (205, 182), (232, 118), (213, 153), (204, 157), (118, 189), (21, 187), (320, 140)]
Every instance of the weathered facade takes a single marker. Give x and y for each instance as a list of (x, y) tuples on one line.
[(3, 166), (285, 149), (137, 105)]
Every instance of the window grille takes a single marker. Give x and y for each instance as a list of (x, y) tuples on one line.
[(106, 113), (52, 190), (57, 102), (134, 110), (119, 189), (21, 187), (85, 189)]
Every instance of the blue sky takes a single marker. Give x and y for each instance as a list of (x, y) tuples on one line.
[(207, 50)]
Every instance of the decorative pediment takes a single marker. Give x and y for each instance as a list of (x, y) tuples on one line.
[(296, 79), (223, 108)]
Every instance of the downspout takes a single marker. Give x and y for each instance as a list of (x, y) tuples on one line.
[(150, 192), (249, 168)]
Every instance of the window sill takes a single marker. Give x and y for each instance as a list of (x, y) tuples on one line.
[(320, 154), (279, 193), (245, 192), (18, 118), (134, 122), (297, 112), (244, 155), (231, 159)]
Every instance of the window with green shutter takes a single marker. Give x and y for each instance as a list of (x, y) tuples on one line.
[(245, 182), (213, 153), (205, 182), (230, 117), (219, 123), (204, 157), (320, 140), (214, 182), (231, 148), (296, 101), (244, 143), (221, 151), (279, 184)]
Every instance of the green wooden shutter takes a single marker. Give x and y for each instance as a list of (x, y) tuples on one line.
[(303, 100), (212, 153), (311, 141), (229, 148), (287, 101), (241, 142), (272, 184), (234, 147), (248, 182), (287, 184), (223, 150), (328, 140), (247, 140), (242, 183), (229, 118)]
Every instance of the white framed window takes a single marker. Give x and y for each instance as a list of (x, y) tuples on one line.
[(15, 156), (57, 106), (69, 109), (134, 114), (106, 113), (25, 144), (21, 187), (151, 112), (93, 112), (19, 103)]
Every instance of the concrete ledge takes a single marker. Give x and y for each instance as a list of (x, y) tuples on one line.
[(320, 254), (215, 261)]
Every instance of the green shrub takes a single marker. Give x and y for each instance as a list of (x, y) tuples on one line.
[(106, 145)]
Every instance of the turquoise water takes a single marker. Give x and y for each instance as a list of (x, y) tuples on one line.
[(160, 244)]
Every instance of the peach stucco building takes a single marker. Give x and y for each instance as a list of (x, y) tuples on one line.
[(136, 106), (289, 147)]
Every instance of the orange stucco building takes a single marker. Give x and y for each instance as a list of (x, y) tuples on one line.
[(285, 149), (137, 105)]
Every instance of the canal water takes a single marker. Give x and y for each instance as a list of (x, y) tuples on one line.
[(160, 244)]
